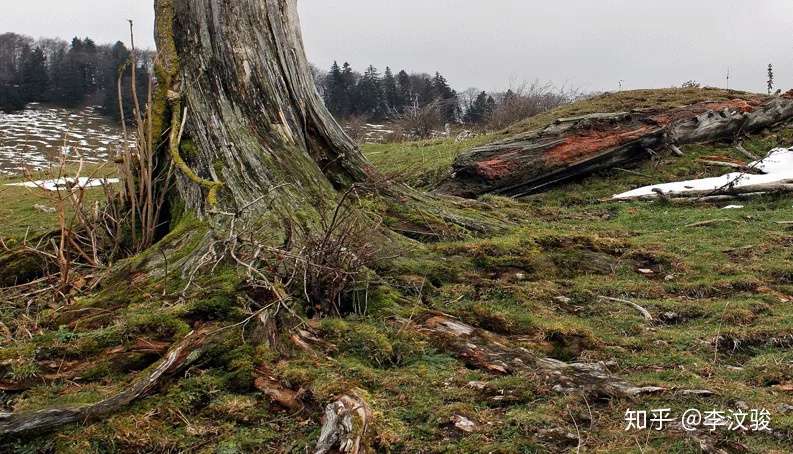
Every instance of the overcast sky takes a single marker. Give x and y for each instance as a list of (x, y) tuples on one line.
[(491, 44)]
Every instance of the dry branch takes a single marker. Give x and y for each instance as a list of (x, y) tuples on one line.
[(746, 153), (645, 313), (755, 189), (732, 165)]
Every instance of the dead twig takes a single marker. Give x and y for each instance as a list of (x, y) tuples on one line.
[(645, 313)]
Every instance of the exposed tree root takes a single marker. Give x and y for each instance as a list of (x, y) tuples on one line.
[(72, 370), (180, 356), (494, 353), (279, 394)]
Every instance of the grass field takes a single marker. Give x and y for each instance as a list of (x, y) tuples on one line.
[(721, 295)]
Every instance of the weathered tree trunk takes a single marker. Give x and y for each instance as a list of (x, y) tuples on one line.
[(254, 124), (573, 147)]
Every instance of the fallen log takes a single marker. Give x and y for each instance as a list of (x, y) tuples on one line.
[(573, 147)]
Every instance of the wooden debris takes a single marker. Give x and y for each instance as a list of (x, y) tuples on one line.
[(494, 353), (698, 392), (645, 313), (676, 150), (344, 426), (534, 161), (711, 222), (273, 389), (746, 153), (464, 424), (719, 194), (732, 165)]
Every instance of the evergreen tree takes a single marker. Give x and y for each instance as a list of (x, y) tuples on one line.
[(479, 110), (405, 90), (335, 96), (118, 66), (370, 95), (490, 107), (770, 78), (391, 90), (34, 80), (349, 81), (441, 91), (71, 80)]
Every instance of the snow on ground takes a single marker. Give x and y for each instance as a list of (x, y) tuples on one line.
[(35, 138), (778, 167), (66, 183)]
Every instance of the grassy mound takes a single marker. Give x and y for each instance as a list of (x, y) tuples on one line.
[(720, 295)]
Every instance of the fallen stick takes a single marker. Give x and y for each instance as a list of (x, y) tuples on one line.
[(632, 172), (746, 153), (742, 167), (676, 150), (780, 187), (645, 313), (711, 222)]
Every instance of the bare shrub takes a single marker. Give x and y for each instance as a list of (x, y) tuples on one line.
[(333, 260), (90, 236), (356, 128), (141, 170), (528, 100), (421, 122)]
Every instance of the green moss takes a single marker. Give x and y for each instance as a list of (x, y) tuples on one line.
[(720, 297), (214, 308), (158, 325), (20, 268)]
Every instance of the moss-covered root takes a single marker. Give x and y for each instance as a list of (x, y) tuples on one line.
[(347, 421), (175, 139), (180, 356), (496, 354)]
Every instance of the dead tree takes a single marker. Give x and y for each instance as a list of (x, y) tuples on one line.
[(534, 161)]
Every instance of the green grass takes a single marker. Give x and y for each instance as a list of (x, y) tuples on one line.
[(730, 279), (19, 215), (424, 164), (419, 164)]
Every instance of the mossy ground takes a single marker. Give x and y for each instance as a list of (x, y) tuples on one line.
[(540, 283)]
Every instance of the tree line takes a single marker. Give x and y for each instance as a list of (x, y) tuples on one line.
[(348, 93), (69, 74), (373, 96)]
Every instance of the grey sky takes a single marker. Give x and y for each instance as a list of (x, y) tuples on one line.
[(589, 44)]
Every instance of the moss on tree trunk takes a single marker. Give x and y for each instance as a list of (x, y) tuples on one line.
[(253, 116)]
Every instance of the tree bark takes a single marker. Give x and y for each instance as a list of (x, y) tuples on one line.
[(254, 123), (533, 162)]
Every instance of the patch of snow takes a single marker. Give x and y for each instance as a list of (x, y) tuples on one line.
[(733, 207), (66, 183), (778, 168)]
